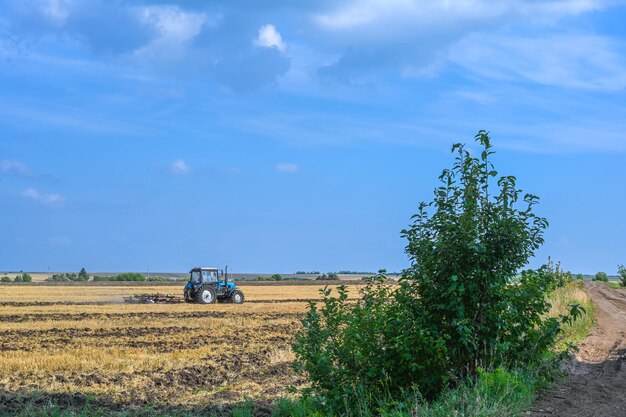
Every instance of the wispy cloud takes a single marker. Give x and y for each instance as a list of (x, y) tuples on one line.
[(43, 198), (286, 168), (179, 167), (578, 61), (13, 167)]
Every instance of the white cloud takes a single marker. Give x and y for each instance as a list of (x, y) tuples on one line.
[(56, 11), (175, 29), (286, 167), (13, 167), (48, 199), (564, 60), (386, 15), (173, 23), (269, 37), (179, 167)]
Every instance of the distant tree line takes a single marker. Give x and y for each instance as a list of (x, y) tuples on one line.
[(307, 273), (23, 277), (69, 276), (126, 276)]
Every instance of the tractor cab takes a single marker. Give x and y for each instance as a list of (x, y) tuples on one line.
[(208, 285), (205, 275)]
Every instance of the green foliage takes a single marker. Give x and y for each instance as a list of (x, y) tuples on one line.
[(454, 310), (5, 279), (156, 279), (23, 277), (126, 276), (621, 270), (83, 275), (601, 276), (580, 277), (63, 277), (277, 277)]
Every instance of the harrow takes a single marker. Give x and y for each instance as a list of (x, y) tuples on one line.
[(154, 299)]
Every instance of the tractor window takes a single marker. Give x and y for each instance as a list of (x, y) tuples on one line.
[(195, 276), (209, 276)]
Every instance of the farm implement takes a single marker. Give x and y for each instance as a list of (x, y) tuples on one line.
[(205, 286), (154, 299)]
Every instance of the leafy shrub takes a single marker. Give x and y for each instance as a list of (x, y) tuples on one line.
[(23, 277), (601, 276), (58, 278), (5, 279), (621, 270), (454, 309), (277, 277), (63, 277)]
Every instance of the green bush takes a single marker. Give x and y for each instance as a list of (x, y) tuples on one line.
[(621, 270), (5, 279), (23, 277), (277, 277), (454, 309), (601, 276), (63, 277)]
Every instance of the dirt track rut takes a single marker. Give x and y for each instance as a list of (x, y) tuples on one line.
[(596, 377)]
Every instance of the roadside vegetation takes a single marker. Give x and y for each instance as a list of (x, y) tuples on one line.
[(462, 333)]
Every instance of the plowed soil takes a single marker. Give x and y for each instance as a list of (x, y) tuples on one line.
[(72, 345), (596, 377)]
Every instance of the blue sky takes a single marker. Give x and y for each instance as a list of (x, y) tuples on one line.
[(279, 136)]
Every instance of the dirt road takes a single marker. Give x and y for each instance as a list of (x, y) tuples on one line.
[(596, 377)]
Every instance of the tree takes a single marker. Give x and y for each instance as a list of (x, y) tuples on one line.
[(5, 279), (621, 270), (26, 277), (277, 277), (454, 309), (83, 275), (18, 278), (601, 276)]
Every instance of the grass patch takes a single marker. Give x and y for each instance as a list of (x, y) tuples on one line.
[(572, 334), (612, 284)]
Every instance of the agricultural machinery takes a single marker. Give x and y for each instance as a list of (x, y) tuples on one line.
[(205, 286), (208, 285)]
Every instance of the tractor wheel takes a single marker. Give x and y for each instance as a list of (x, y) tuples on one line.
[(206, 295), (237, 297)]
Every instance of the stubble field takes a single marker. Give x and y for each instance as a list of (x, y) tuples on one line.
[(75, 345)]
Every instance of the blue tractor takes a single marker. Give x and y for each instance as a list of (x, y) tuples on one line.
[(210, 285)]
